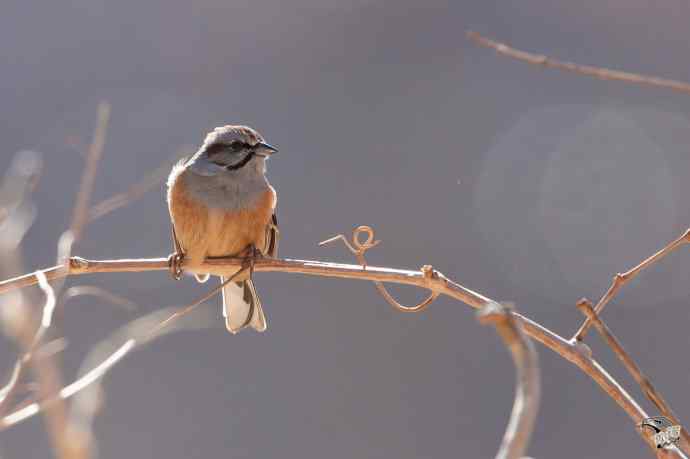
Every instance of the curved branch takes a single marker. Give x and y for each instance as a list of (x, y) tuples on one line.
[(577, 353), (528, 384)]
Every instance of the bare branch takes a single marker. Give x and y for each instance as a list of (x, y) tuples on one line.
[(575, 352), (585, 306), (595, 72), (526, 405), (619, 280)]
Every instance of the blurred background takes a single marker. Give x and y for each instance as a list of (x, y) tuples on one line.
[(526, 185)]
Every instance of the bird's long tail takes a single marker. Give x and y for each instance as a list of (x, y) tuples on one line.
[(242, 307)]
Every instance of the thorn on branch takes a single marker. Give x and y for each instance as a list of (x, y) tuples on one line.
[(359, 248)]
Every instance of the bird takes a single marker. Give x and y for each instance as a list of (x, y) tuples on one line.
[(221, 204)]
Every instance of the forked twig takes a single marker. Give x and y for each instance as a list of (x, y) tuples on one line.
[(620, 279), (651, 392), (359, 248), (80, 213), (528, 384), (595, 72)]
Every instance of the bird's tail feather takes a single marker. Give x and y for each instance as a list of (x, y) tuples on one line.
[(242, 307)]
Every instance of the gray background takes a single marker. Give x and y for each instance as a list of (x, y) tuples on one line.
[(527, 185)]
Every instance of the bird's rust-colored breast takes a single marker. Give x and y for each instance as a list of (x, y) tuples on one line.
[(206, 232)]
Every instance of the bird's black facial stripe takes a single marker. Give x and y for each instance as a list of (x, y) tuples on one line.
[(242, 163), (221, 153), (236, 146)]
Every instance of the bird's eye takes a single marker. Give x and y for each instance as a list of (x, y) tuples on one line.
[(237, 145)]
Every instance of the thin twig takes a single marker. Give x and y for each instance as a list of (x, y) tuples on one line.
[(595, 72), (651, 392), (132, 193), (92, 290), (66, 441), (87, 402), (620, 279), (574, 352), (10, 389), (80, 214), (526, 404)]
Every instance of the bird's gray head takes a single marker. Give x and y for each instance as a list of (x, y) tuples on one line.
[(235, 147)]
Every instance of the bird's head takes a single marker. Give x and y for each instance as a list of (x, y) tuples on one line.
[(657, 423), (234, 147)]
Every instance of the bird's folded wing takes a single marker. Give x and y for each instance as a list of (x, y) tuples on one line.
[(272, 237)]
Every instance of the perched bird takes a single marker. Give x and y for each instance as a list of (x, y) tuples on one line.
[(221, 204)]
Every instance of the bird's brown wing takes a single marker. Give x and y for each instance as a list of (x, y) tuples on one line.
[(272, 236), (177, 248)]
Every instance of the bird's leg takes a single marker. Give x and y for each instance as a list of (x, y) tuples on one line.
[(251, 255), (175, 265), (175, 259)]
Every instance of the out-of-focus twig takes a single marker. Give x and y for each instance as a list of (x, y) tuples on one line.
[(620, 279), (527, 394), (19, 213), (67, 442), (80, 214), (132, 193), (92, 290), (88, 401), (651, 392), (10, 389), (142, 336), (595, 72)]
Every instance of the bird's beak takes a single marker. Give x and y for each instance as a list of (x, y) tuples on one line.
[(264, 149)]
